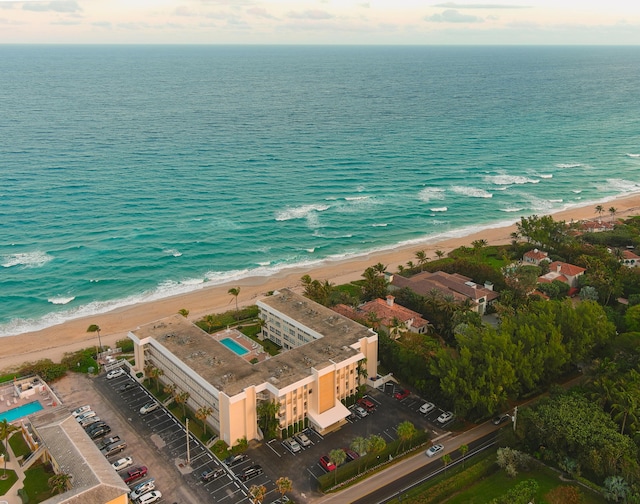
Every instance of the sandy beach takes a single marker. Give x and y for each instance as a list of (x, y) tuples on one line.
[(54, 342)]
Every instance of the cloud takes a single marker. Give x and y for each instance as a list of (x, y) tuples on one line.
[(56, 6), (65, 22), (259, 12), (102, 24), (310, 14), (453, 5), (453, 16), (183, 10)]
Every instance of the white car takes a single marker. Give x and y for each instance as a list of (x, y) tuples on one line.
[(85, 415), (80, 410), (86, 422), (303, 439), (142, 489), (122, 463), (436, 448), (360, 411), (150, 497), (293, 445), (427, 407), (445, 417), (149, 407), (115, 373)]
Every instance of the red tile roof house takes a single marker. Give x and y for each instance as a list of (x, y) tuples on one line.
[(564, 272), (595, 226), (386, 311), (456, 285), (629, 259), (535, 256)]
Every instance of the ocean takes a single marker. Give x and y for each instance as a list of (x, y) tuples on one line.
[(131, 173)]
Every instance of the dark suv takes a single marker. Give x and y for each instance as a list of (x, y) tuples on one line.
[(251, 472)]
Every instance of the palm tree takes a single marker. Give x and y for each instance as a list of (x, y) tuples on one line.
[(6, 429), (599, 211), (359, 445), (257, 493), (337, 457), (202, 414), (211, 320), (59, 483), (613, 211), (422, 258), (284, 485), (182, 398), (406, 432), (376, 444), (156, 373), (235, 292), (96, 329), (446, 460), (439, 253), (373, 320), (398, 327), (170, 388), (184, 312), (267, 411), (464, 448)]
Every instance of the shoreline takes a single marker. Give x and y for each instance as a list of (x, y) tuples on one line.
[(52, 342)]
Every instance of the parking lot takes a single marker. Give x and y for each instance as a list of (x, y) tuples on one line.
[(159, 442)]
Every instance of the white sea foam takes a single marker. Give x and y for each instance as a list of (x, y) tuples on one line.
[(301, 212), (546, 175), (621, 185), (27, 259), (634, 155), (264, 263), (576, 191), (430, 194), (173, 252), (510, 180), (381, 224), (472, 192), (569, 165), (60, 300), (439, 209), (512, 209), (356, 198), (559, 200)]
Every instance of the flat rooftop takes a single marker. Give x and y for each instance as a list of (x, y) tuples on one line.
[(231, 374)]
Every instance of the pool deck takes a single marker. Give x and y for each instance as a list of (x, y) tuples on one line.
[(16, 394), (254, 350)]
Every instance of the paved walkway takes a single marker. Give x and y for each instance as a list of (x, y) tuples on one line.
[(11, 497)]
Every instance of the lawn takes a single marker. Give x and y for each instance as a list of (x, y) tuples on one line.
[(6, 484), (36, 482), (19, 445), (499, 483)]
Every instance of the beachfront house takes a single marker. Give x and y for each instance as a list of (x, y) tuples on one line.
[(563, 272), (535, 257), (322, 363)]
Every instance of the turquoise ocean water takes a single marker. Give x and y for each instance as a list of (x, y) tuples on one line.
[(130, 173)]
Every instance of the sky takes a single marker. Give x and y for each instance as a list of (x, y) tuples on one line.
[(353, 22)]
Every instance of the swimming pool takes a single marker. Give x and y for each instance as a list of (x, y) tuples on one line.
[(234, 346), (21, 411)]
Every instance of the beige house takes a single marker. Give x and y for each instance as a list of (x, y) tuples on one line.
[(64, 443), (564, 272), (535, 257), (324, 358)]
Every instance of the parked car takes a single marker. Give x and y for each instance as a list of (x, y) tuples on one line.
[(85, 415), (108, 441), (139, 488), (436, 448), (122, 463), (114, 448), (505, 417), (115, 373), (282, 500), (95, 426), (80, 410), (360, 411), (135, 473), (102, 431), (142, 488), (292, 445), (445, 417), (211, 474), (251, 472), (232, 460), (149, 407), (127, 386), (88, 421), (401, 394), (367, 404), (427, 407), (150, 497), (326, 463), (351, 455), (302, 438)]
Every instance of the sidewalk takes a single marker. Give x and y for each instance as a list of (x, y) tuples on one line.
[(11, 497)]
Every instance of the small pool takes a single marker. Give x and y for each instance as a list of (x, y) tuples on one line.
[(234, 346), (21, 411)]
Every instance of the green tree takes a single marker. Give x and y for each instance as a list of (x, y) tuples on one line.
[(6, 429), (376, 444), (257, 493), (360, 445), (184, 312), (284, 485), (267, 411), (406, 432), (613, 211), (95, 328), (181, 398), (235, 292), (464, 448), (446, 460), (202, 414), (169, 388), (337, 457), (156, 373), (422, 258), (59, 483), (439, 253), (375, 284), (599, 211)]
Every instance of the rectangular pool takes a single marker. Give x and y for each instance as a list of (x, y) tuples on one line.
[(234, 346), (21, 411)]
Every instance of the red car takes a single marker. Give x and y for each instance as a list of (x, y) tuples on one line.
[(326, 463), (401, 394), (367, 404), (135, 473)]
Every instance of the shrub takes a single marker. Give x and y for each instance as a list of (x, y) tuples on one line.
[(45, 368)]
